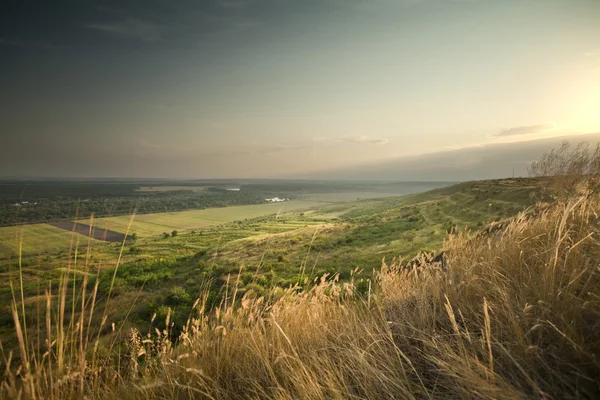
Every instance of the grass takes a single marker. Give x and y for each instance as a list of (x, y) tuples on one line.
[(45, 239), (272, 249), (345, 196), (171, 188), (35, 239), (156, 224), (513, 314)]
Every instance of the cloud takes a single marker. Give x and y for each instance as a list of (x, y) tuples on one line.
[(133, 28), (364, 139), (525, 130), (497, 160), (350, 139)]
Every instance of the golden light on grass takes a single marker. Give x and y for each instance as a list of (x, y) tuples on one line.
[(512, 316)]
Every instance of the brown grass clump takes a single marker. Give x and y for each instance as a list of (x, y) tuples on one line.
[(515, 314)]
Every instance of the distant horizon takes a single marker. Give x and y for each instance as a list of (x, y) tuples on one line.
[(200, 180), (384, 170)]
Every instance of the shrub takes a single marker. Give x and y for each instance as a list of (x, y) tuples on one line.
[(569, 171), (178, 296)]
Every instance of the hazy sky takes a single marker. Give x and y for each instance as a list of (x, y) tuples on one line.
[(260, 88)]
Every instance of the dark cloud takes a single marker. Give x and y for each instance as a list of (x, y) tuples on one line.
[(524, 130), (472, 163)]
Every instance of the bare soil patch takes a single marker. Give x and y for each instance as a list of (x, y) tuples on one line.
[(84, 229)]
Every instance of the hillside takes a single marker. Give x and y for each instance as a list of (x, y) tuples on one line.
[(236, 315), (297, 243)]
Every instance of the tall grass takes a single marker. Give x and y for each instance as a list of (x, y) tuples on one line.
[(514, 314)]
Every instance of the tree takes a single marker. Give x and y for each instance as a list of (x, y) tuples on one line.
[(165, 235), (568, 171), (174, 233)]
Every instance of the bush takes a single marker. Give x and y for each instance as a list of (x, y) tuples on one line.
[(178, 296), (569, 171)]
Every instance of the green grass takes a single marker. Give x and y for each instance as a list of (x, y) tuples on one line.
[(36, 239), (306, 239), (512, 315), (145, 225), (344, 197)]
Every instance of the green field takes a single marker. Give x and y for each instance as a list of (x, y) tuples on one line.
[(43, 238), (171, 188), (155, 224), (344, 197), (35, 239)]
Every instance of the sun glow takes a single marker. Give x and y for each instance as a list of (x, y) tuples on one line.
[(585, 111)]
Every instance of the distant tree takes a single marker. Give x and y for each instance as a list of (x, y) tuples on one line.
[(174, 233), (165, 235), (568, 171), (134, 236)]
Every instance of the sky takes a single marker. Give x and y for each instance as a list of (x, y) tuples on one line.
[(288, 88)]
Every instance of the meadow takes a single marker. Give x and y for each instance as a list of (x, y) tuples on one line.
[(277, 244), (35, 239), (300, 305), (43, 239), (157, 223)]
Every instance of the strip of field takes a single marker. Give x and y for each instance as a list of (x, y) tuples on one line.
[(36, 239), (155, 224), (345, 197), (170, 188), (95, 232)]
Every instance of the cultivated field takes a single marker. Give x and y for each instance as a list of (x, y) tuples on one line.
[(344, 197), (91, 231), (170, 188), (155, 224), (44, 238), (36, 239)]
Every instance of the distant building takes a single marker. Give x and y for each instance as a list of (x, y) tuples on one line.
[(234, 189), (276, 200)]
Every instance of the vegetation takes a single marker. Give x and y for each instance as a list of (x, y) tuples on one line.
[(270, 250), (34, 201), (512, 315), (36, 239), (294, 304), (574, 170)]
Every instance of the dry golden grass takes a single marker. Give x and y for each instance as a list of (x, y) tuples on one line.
[(515, 314)]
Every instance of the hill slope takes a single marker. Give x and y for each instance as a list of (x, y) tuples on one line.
[(512, 315), (280, 249)]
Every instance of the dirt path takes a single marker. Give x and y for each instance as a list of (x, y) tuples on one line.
[(84, 229)]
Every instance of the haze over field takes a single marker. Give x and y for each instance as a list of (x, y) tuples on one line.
[(317, 88)]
